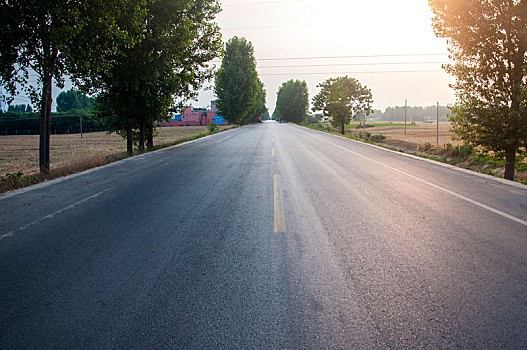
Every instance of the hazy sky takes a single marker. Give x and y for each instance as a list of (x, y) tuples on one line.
[(312, 28)]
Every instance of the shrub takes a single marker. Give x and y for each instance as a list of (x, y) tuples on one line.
[(463, 151), (212, 127), (377, 138), (364, 135), (426, 147)]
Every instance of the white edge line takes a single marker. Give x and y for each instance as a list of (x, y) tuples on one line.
[(67, 177), (481, 205), (52, 215), (453, 167)]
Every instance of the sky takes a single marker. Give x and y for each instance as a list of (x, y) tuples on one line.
[(387, 45), (339, 31)]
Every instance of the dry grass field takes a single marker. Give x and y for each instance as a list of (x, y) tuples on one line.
[(416, 135), (20, 153)]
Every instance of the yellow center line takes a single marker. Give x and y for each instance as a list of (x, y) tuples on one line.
[(272, 152), (279, 216)]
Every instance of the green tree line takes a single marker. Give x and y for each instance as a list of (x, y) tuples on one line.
[(12, 123), (134, 57), (413, 113)]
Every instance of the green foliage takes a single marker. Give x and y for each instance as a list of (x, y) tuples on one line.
[(377, 138), (72, 100), (237, 84), (364, 135), (413, 113), (258, 109), (489, 48), (61, 123), (292, 102), (463, 151), (314, 119), (55, 38), (170, 62), (212, 127), (343, 98), (20, 108)]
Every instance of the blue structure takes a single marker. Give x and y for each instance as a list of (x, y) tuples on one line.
[(219, 120)]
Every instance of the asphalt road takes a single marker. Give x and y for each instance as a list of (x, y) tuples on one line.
[(269, 236)]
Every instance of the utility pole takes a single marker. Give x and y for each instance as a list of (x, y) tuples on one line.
[(80, 119), (437, 123), (405, 105)]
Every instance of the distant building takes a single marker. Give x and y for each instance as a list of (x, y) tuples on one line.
[(196, 117)]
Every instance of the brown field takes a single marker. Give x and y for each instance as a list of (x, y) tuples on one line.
[(20, 153), (416, 135)]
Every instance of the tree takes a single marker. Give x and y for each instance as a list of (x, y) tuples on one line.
[(258, 109), (70, 100), (488, 43), (20, 108), (343, 98), (292, 102), (236, 85), (180, 37), (55, 38)]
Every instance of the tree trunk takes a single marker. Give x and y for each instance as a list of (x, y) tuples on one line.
[(150, 137), (141, 135), (510, 159), (342, 130), (129, 141), (45, 121)]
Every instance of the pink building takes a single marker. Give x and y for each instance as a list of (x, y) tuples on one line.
[(196, 117)]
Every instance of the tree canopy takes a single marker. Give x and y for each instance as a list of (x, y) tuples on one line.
[(258, 109), (58, 38), (487, 43), (237, 85), (343, 98), (292, 102), (170, 62), (70, 100), (20, 108)]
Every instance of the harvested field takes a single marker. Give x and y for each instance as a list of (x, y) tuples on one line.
[(20, 153), (416, 135)]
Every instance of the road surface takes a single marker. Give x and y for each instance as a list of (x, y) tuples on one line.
[(270, 236)]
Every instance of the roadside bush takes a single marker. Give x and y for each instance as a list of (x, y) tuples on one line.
[(314, 119), (426, 147), (463, 151), (212, 127), (377, 138), (364, 135)]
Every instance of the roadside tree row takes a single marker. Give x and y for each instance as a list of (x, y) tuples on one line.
[(135, 57)]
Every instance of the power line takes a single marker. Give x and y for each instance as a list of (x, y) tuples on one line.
[(260, 3), (372, 72), (350, 64), (341, 57), (269, 27), (356, 56)]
